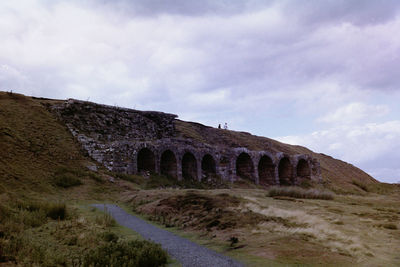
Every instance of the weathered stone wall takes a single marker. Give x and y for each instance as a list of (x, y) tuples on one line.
[(121, 138)]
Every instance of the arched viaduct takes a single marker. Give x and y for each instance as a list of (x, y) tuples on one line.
[(193, 163)]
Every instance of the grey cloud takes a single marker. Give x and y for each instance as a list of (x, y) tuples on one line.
[(182, 7)]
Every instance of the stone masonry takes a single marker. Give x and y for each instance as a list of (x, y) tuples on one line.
[(132, 141)]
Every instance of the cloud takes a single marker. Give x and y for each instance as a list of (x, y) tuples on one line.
[(375, 147), (355, 112), (274, 68)]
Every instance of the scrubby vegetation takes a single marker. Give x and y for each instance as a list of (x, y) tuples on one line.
[(129, 254), (156, 181), (298, 192), (47, 234)]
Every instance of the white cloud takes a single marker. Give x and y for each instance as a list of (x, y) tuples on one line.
[(372, 146), (261, 66), (355, 112)]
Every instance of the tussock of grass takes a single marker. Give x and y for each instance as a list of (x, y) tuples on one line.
[(360, 185), (106, 219), (67, 180), (55, 211), (69, 177), (390, 226), (297, 192)]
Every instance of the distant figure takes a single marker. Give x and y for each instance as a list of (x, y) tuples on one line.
[(219, 126), (226, 126)]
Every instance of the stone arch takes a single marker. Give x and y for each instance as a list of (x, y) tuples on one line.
[(266, 171), (303, 170), (208, 167), (285, 171), (189, 166), (245, 166), (168, 164), (146, 160)]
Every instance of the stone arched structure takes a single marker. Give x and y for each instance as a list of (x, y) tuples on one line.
[(303, 170), (285, 171), (266, 171), (119, 146), (208, 167), (245, 167), (146, 160), (189, 166), (169, 164)]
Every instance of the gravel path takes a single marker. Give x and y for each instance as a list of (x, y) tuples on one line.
[(183, 250)]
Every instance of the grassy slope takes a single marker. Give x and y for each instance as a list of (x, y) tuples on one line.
[(34, 145), (337, 175), (36, 149)]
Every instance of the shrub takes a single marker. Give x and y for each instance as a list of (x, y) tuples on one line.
[(234, 240), (297, 192), (56, 211), (33, 218), (109, 237), (132, 253)]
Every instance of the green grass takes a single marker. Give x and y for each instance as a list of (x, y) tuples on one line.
[(123, 253)]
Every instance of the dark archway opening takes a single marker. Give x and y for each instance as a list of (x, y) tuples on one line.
[(168, 164), (303, 169), (208, 167), (285, 172), (189, 166), (146, 160), (245, 167), (266, 171)]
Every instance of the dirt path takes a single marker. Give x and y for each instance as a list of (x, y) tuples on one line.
[(183, 250)]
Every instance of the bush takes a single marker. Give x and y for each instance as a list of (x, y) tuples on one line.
[(109, 237), (132, 253), (56, 211), (297, 192)]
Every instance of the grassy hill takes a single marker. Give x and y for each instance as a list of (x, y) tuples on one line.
[(337, 175), (45, 186)]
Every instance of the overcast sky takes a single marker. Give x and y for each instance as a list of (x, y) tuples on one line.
[(323, 74)]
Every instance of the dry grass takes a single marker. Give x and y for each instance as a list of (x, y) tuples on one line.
[(308, 231), (298, 192), (36, 148)]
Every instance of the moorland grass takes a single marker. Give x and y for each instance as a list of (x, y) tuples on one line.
[(298, 192), (123, 253)]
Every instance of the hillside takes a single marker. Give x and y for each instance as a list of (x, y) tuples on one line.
[(43, 168), (336, 174), (24, 118)]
